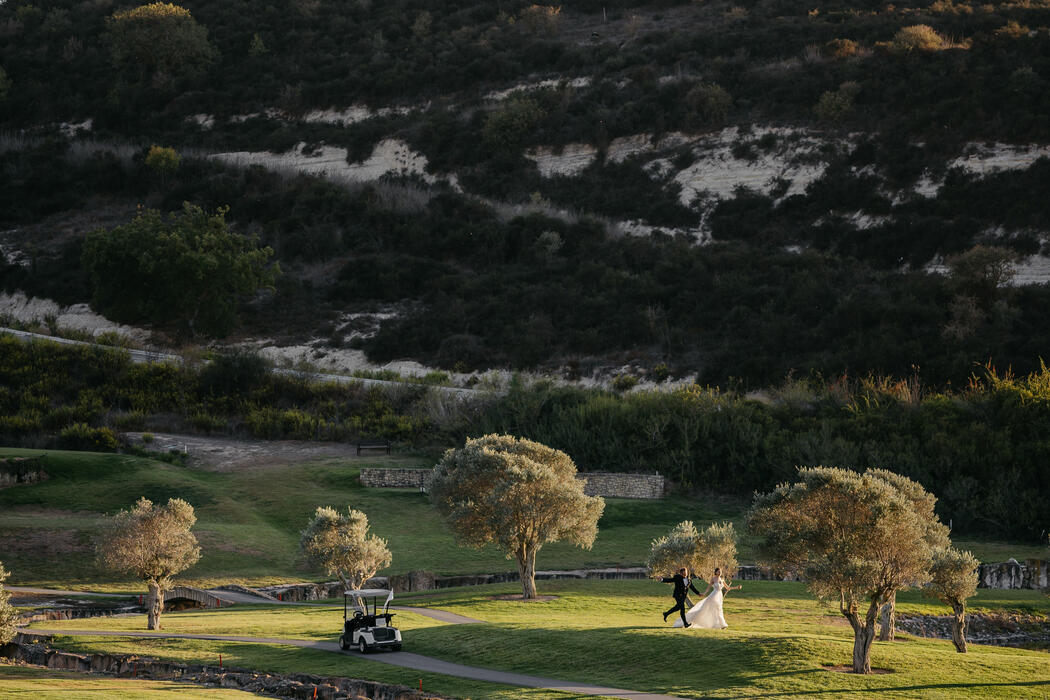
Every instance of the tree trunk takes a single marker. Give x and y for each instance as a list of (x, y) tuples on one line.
[(959, 627), (889, 618), (526, 557), (863, 632), (155, 605), (863, 636)]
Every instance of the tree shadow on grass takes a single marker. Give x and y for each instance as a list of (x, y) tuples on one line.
[(675, 661), (961, 687)]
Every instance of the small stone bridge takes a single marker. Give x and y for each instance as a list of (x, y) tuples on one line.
[(215, 597)]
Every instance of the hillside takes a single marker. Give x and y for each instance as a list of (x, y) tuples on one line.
[(701, 190)]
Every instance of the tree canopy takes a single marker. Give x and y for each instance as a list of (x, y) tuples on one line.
[(340, 544), (854, 537), (953, 579), (517, 495), (188, 268), (701, 552), (159, 41), (154, 543), (7, 612)]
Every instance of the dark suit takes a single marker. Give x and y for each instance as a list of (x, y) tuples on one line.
[(682, 586)]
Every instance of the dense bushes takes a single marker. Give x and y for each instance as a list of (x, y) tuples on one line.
[(78, 394), (188, 268), (980, 450), (476, 289)]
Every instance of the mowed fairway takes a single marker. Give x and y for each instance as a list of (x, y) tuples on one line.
[(48, 684), (249, 521), (780, 641)]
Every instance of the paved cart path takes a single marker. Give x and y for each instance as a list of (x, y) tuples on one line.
[(403, 659)]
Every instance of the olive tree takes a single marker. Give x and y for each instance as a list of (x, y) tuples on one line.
[(953, 579), (7, 612), (153, 543), (850, 536), (701, 552), (515, 494), (340, 544), (936, 534)]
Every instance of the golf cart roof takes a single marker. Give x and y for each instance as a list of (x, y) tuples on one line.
[(371, 592)]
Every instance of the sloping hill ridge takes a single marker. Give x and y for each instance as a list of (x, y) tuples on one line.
[(705, 191)]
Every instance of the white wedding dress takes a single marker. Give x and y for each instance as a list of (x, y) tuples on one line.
[(708, 612)]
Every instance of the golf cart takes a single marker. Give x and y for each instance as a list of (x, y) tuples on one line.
[(365, 630)]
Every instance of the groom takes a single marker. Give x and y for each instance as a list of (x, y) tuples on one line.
[(682, 585)]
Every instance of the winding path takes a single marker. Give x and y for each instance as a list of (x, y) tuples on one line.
[(404, 659)]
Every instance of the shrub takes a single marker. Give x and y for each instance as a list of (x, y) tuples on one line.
[(541, 18), (918, 37), (81, 436), (709, 102), (206, 422), (507, 127), (162, 160), (159, 41), (624, 382), (836, 106), (840, 48)]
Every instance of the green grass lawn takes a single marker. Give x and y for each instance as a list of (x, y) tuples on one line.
[(48, 684), (779, 642), (249, 521)]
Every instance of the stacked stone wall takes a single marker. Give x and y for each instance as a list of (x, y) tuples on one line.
[(20, 470), (605, 484), (32, 649), (615, 485), (397, 478), (1033, 574)]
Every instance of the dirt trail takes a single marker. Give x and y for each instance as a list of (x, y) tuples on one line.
[(228, 454)]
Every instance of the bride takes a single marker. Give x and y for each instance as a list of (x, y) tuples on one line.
[(708, 612)]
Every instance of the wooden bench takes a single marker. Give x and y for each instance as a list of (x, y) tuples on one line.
[(374, 445)]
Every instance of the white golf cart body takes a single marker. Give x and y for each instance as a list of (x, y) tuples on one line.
[(366, 630)]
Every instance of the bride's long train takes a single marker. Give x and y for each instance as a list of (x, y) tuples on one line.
[(707, 613)]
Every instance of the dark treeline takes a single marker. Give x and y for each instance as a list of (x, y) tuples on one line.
[(772, 60), (981, 449), (77, 396)]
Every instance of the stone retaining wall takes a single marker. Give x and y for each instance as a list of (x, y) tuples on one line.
[(614, 485), (1012, 574), (33, 649), (605, 484), (77, 613), (1000, 629), (396, 478), (20, 470)]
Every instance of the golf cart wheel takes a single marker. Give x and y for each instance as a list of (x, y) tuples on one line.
[(342, 643), (362, 646), (396, 647)]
